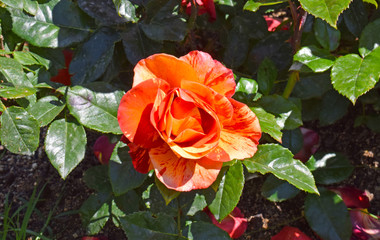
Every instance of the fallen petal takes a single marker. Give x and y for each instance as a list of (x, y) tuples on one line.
[(290, 233), (352, 197)]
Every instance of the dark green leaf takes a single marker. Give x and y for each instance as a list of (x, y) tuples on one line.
[(102, 10), (246, 90), (371, 2), (266, 75), (144, 225), (65, 145), (330, 168), (318, 60), (368, 40), (46, 109), (333, 107), (356, 17), (125, 9), (292, 140), (95, 110), (93, 57), (288, 114), (229, 192), (122, 174), (128, 202), (277, 190), (253, 5), (20, 132), (95, 212), (353, 76), (236, 49), (167, 194), (268, 123), (327, 36), (12, 92), (328, 10), (328, 216), (205, 231), (273, 158), (97, 178), (312, 86), (198, 204), (137, 45), (55, 24)]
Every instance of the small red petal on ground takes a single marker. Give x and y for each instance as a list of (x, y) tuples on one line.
[(290, 233)]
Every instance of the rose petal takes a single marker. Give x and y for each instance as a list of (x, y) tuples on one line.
[(103, 149), (352, 197), (364, 225), (134, 112), (235, 224), (310, 144), (239, 137), (290, 233), (166, 67), (211, 72), (183, 174), (140, 158)]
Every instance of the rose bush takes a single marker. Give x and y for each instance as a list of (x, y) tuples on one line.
[(181, 121)]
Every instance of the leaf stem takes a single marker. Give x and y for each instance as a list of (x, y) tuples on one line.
[(179, 218)]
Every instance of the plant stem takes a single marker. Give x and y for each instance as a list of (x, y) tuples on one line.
[(294, 77), (179, 219)]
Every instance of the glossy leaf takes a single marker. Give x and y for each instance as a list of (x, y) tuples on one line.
[(316, 59), (97, 178), (273, 158), (122, 174), (268, 123), (331, 168), (103, 11), (125, 9), (266, 75), (13, 72), (198, 204), (95, 110), (144, 225), (253, 5), (333, 107), (10, 91), (65, 145), (229, 192), (46, 109), (20, 132), (93, 57), (328, 10), (327, 36), (277, 190), (68, 26), (137, 45), (352, 76), (167, 194), (328, 216), (368, 40), (25, 58)]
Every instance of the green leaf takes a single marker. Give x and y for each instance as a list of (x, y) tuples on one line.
[(46, 109), (13, 72), (328, 10), (68, 26), (371, 2), (205, 231), (368, 40), (198, 204), (277, 190), (293, 140), (331, 168), (123, 175), (103, 11), (229, 192), (253, 5), (237, 48), (25, 58), (12, 92), (328, 216), (137, 45), (312, 86), (333, 107), (65, 145), (266, 75), (356, 17), (97, 178), (126, 10), (327, 36), (128, 202), (95, 110), (288, 114), (268, 123), (93, 57), (273, 158), (352, 76), (95, 212), (144, 225), (167, 194), (318, 60), (20, 132), (246, 90)]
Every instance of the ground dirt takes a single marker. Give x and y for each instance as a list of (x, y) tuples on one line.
[(19, 175)]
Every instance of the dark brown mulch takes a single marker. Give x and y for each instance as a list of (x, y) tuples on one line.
[(20, 174)]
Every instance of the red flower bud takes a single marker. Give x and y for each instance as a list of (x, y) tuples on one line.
[(103, 149)]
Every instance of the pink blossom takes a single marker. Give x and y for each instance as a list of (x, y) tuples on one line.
[(364, 225)]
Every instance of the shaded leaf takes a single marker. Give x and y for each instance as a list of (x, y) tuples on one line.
[(277, 190), (96, 178), (327, 36), (205, 231), (368, 40), (312, 86), (266, 75), (65, 145), (253, 5), (102, 10), (292, 140), (236, 49), (167, 194), (273, 158), (333, 107), (356, 17), (128, 202)]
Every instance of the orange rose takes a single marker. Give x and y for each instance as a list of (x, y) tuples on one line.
[(181, 121)]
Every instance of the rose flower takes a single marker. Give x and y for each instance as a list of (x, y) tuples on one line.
[(181, 121)]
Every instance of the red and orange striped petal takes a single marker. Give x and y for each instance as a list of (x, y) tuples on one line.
[(211, 72), (134, 111), (140, 158), (166, 67), (183, 174), (239, 138)]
